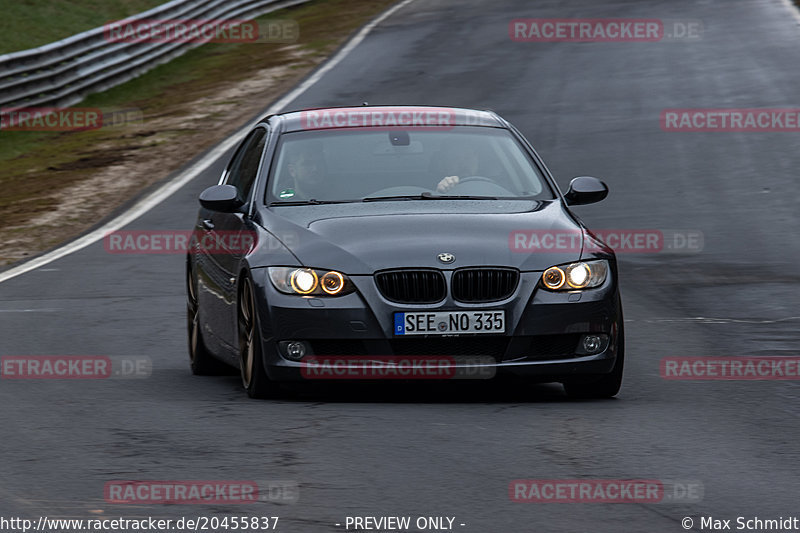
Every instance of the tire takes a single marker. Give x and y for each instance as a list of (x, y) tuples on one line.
[(607, 385), (202, 362), (251, 363)]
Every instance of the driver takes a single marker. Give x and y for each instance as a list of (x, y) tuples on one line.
[(306, 168), (459, 161)]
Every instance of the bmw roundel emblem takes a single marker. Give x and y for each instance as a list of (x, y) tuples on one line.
[(446, 257)]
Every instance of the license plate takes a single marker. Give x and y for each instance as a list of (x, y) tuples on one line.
[(449, 322)]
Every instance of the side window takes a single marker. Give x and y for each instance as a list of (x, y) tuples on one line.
[(244, 166)]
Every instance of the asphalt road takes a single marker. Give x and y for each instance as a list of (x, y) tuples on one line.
[(589, 108)]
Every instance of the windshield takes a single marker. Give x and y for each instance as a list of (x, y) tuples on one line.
[(365, 164)]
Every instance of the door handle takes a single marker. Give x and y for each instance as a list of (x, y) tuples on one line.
[(208, 223)]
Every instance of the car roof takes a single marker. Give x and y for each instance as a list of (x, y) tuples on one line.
[(400, 117)]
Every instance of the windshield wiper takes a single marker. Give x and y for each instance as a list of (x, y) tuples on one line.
[(313, 201), (424, 196), (459, 197)]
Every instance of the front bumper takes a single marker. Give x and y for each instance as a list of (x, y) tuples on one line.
[(543, 330)]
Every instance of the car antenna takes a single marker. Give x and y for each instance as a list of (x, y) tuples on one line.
[(364, 103)]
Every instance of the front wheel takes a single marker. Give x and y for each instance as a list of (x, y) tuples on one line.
[(254, 377)]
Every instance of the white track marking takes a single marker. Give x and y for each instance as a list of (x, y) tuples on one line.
[(165, 191), (29, 310), (140, 208)]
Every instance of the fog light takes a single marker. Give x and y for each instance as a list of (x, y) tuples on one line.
[(296, 350), (293, 350), (591, 343)]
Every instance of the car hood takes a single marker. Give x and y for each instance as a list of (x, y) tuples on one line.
[(362, 238)]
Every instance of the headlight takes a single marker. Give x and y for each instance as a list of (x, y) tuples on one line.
[(332, 282), (303, 281), (310, 281), (583, 275)]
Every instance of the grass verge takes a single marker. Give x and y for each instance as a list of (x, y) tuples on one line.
[(31, 23)]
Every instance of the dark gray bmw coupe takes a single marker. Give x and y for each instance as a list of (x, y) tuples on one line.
[(404, 242)]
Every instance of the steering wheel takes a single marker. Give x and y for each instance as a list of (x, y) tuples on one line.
[(473, 178)]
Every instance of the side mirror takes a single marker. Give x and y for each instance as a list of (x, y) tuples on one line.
[(585, 190), (222, 198)]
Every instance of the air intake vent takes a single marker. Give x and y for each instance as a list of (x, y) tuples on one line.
[(490, 346), (412, 286), (484, 284)]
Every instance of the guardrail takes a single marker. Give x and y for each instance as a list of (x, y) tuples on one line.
[(64, 72)]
